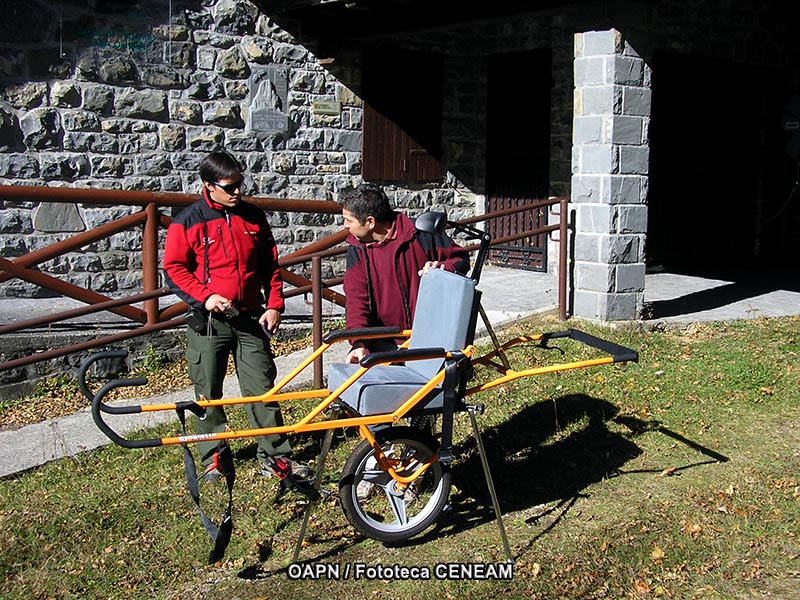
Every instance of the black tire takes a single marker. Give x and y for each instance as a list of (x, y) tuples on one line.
[(381, 513)]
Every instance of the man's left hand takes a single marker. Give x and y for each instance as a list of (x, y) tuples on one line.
[(270, 321), (431, 264)]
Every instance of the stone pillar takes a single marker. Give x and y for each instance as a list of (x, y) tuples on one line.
[(610, 156)]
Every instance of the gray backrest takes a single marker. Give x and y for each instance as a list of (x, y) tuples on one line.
[(442, 317)]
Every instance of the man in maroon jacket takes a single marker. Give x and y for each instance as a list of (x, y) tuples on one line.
[(221, 258), (385, 260)]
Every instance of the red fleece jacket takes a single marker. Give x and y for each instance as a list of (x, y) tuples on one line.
[(211, 249)]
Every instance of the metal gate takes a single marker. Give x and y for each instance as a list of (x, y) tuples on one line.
[(529, 253)]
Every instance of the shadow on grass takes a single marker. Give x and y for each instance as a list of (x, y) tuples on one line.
[(546, 454)]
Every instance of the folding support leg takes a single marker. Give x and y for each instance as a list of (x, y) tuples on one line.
[(489, 483), (326, 446), (495, 341)]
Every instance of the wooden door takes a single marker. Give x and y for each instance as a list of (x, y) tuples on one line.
[(518, 153)]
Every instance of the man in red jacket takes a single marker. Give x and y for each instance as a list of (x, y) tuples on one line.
[(221, 258), (385, 260)]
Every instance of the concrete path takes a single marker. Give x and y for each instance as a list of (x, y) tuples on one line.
[(508, 295)]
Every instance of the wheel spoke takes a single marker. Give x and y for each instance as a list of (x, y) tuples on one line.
[(398, 506)]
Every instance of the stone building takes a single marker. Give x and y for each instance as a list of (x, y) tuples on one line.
[(667, 123)]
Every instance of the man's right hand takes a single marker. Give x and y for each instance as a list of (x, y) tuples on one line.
[(356, 354), (217, 304)]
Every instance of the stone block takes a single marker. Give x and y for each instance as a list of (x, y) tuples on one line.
[(90, 142), (597, 158), (26, 95), (634, 160), (204, 139), (23, 166), (619, 307), (586, 304), (621, 249), (63, 166), (347, 141), (599, 43), (142, 104), (98, 98), (153, 164), (270, 183), (590, 71), (84, 263), (587, 247), (223, 114), (143, 184), (163, 77), (186, 111), (632, 219), (172, 137), (630, 278), (587, 188), (111, 166), (15, 221), (206, 57), (626, 130), (257, 50), (235, 17), (107, 65), (596, 218), (588, 130), (10, 132), (65, 94), (80, 120), (601, 100), (178, 55), (625, 70), (231, 63), (594, 277), (626, 189), (290, 54), (636, 101), (41, 129)]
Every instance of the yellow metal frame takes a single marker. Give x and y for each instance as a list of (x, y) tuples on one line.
[(311, 423)]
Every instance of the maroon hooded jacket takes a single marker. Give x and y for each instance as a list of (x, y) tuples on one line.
[(211, 249), (381, 281)]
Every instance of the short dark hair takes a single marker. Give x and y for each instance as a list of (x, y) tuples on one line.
[(367, 200), (218, 166)]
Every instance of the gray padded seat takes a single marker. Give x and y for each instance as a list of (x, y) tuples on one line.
[(441, 320)]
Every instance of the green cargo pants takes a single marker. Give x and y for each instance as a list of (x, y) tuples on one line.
[(207, 360)]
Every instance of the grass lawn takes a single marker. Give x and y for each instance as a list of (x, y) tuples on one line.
[(677, 477)]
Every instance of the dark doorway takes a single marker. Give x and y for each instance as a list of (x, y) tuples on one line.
[(718, 165), (518, 152)]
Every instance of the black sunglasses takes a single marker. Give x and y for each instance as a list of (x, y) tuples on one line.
[(229, 188)]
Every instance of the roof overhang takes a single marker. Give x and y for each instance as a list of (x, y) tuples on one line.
[(328, 20)]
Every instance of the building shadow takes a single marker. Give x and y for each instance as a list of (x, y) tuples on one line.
[(741, 287)]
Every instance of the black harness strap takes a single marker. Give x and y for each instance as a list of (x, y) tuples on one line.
[(220, 534), (449, 387)]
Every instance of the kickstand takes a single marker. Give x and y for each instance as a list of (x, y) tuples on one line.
[(326, 446), (489, 483)]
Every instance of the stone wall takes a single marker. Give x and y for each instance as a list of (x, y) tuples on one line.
[(133, 100), (125, 99)]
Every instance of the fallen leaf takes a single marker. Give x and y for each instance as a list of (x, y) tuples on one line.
[(536, 569), (657, 553), (668, 472)]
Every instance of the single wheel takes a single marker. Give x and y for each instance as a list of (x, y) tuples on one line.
[(372, 500)]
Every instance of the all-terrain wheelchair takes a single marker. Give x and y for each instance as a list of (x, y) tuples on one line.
[(396, 482)]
